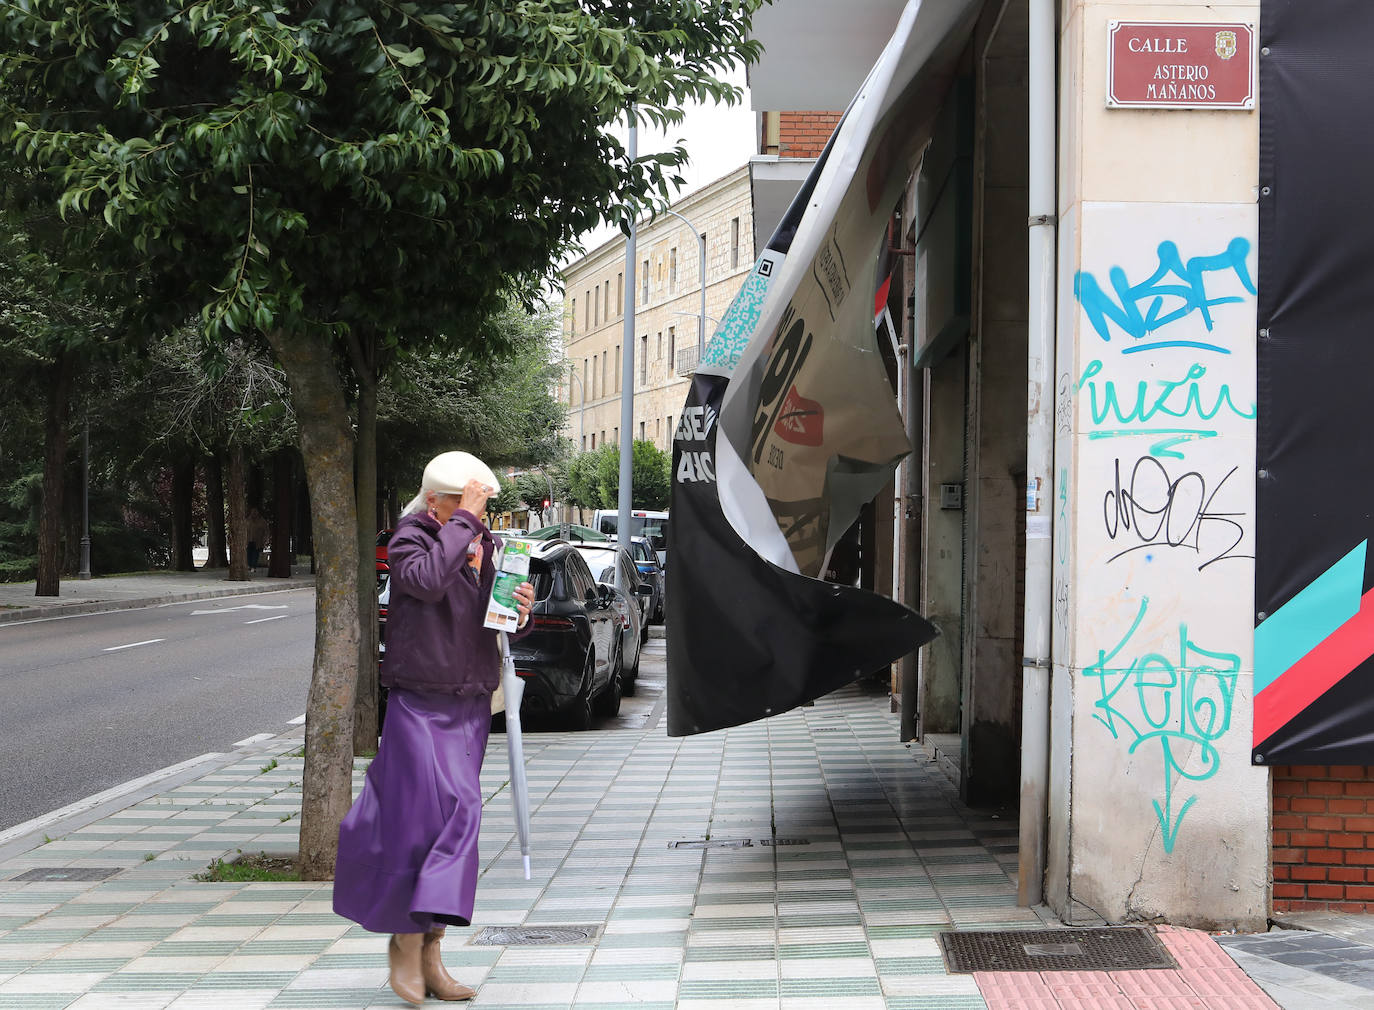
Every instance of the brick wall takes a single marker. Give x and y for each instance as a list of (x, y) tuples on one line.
[(803, 134), (1323, 838)]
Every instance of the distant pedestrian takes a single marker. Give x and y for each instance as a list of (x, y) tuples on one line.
[(407, 862), (259, 531)]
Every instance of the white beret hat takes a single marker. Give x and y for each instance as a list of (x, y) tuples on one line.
[(449, 473)]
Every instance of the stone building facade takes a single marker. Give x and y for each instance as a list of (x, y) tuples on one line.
[(667, 311)]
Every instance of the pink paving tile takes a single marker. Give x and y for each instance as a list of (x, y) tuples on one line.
[(1241, 1001), (1193, 948), (1151, 983), (1083, 990), (1218, 981), (1013, 984), (1117, 1002), (1169, 1003), (997, 1001)]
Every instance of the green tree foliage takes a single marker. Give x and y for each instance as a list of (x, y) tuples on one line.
[(339, 173), (650, 476)]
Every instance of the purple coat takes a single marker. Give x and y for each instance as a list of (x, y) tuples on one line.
[(435, 641)]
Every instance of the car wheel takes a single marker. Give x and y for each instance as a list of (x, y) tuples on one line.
[(608, 703), (579, 713)]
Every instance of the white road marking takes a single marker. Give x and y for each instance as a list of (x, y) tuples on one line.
[(299, 720), (261, 619), (255, 738), (242, 606), (95, 800), (133, 645)]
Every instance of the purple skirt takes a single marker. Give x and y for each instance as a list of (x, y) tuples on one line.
[(408, 846)]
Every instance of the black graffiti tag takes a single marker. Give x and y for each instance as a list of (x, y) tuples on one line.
[(1159, 510)]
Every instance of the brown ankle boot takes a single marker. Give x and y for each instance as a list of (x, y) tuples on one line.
[(438, 982), (407, 977)]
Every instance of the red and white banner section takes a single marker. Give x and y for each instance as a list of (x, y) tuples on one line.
[(791, 423)]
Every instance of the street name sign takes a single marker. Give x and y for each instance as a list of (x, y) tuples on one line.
[(1180, 65)]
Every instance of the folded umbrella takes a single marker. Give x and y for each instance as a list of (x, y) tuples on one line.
[(514, 689)]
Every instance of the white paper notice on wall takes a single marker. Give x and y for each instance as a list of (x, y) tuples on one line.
[(1037, 527)]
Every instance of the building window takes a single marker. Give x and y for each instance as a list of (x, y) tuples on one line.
[(619, 293), (587, 311), (658, 430), (615, 435), (584, 442), (702, 278), (672, 270), (616, 375), (734, 243), (573, 331), (585, 378), (641, 431), (644, 285), (660, 345), (594, 441), (644, 359), (672, 347)]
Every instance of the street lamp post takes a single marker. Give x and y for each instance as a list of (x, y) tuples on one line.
[(581, 407), (85, 572), (701, 276)]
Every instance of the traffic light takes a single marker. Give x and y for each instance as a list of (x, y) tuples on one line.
[(545, 505)]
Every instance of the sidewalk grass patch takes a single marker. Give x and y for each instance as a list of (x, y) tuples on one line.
[(251, 866)]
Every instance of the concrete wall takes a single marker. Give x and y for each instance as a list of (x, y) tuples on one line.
[(1155, 809), (668, 318)]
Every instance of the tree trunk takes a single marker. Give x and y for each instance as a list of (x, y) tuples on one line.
[(327, 447), (216, 545), (238, 517), (365, 698), (283, 481), (183, 490), (55, 455)]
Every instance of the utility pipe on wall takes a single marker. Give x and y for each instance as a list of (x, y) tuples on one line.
[(1036, 659)]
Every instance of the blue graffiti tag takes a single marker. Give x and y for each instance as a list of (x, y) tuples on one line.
[(1179, 705), (1191, 292)]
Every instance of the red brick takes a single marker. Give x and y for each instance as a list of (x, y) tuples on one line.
[(1330, 892), (1309, 804), (1339, 805), (1293, 856), (1309, 771), (1359, 788), (1289, 787), (1317, 838), (1343, 874), (1325, 822), (1348, 772), (1327, 787), (1282, 871), (1345, 841), (1325, 856), (1361, 857), (1350, 906), (1288, 822), (1290, 891), (1359, 892), (1317, 872), (1280, 803), (1362, 823)]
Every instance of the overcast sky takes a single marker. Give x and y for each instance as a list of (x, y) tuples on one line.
[(719, 139)]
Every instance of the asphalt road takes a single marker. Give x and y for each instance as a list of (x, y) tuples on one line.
[(89, 702)]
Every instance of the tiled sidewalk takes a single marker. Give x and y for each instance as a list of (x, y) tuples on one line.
[(873, 858)]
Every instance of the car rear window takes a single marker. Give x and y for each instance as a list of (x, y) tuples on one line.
[(541, 577)]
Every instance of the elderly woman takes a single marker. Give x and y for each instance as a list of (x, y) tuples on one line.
[(407, 861)]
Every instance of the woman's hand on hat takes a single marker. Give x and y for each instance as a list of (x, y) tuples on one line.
[(474, 497)]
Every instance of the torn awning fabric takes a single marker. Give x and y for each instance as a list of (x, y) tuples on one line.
[(791, 423)]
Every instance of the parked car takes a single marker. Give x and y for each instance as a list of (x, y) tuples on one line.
[(571, 660), (652, 572), (383, 602), (574, 532), (383, 538), (632, 603), (512, 532)]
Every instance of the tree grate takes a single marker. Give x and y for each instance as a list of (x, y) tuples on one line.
[(534, 936), (1096, 949), (59, 873)]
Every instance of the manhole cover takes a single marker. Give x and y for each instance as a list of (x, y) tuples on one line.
[(784, 841), (532, 936), (69, 873), (712, 843), (1101, 949)]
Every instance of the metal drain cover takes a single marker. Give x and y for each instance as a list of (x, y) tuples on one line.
[(784, 841), (1099, 949), (534, 936), (51, 873), (712, 843)]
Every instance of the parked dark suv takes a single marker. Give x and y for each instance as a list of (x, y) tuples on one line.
[(571, 660)]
